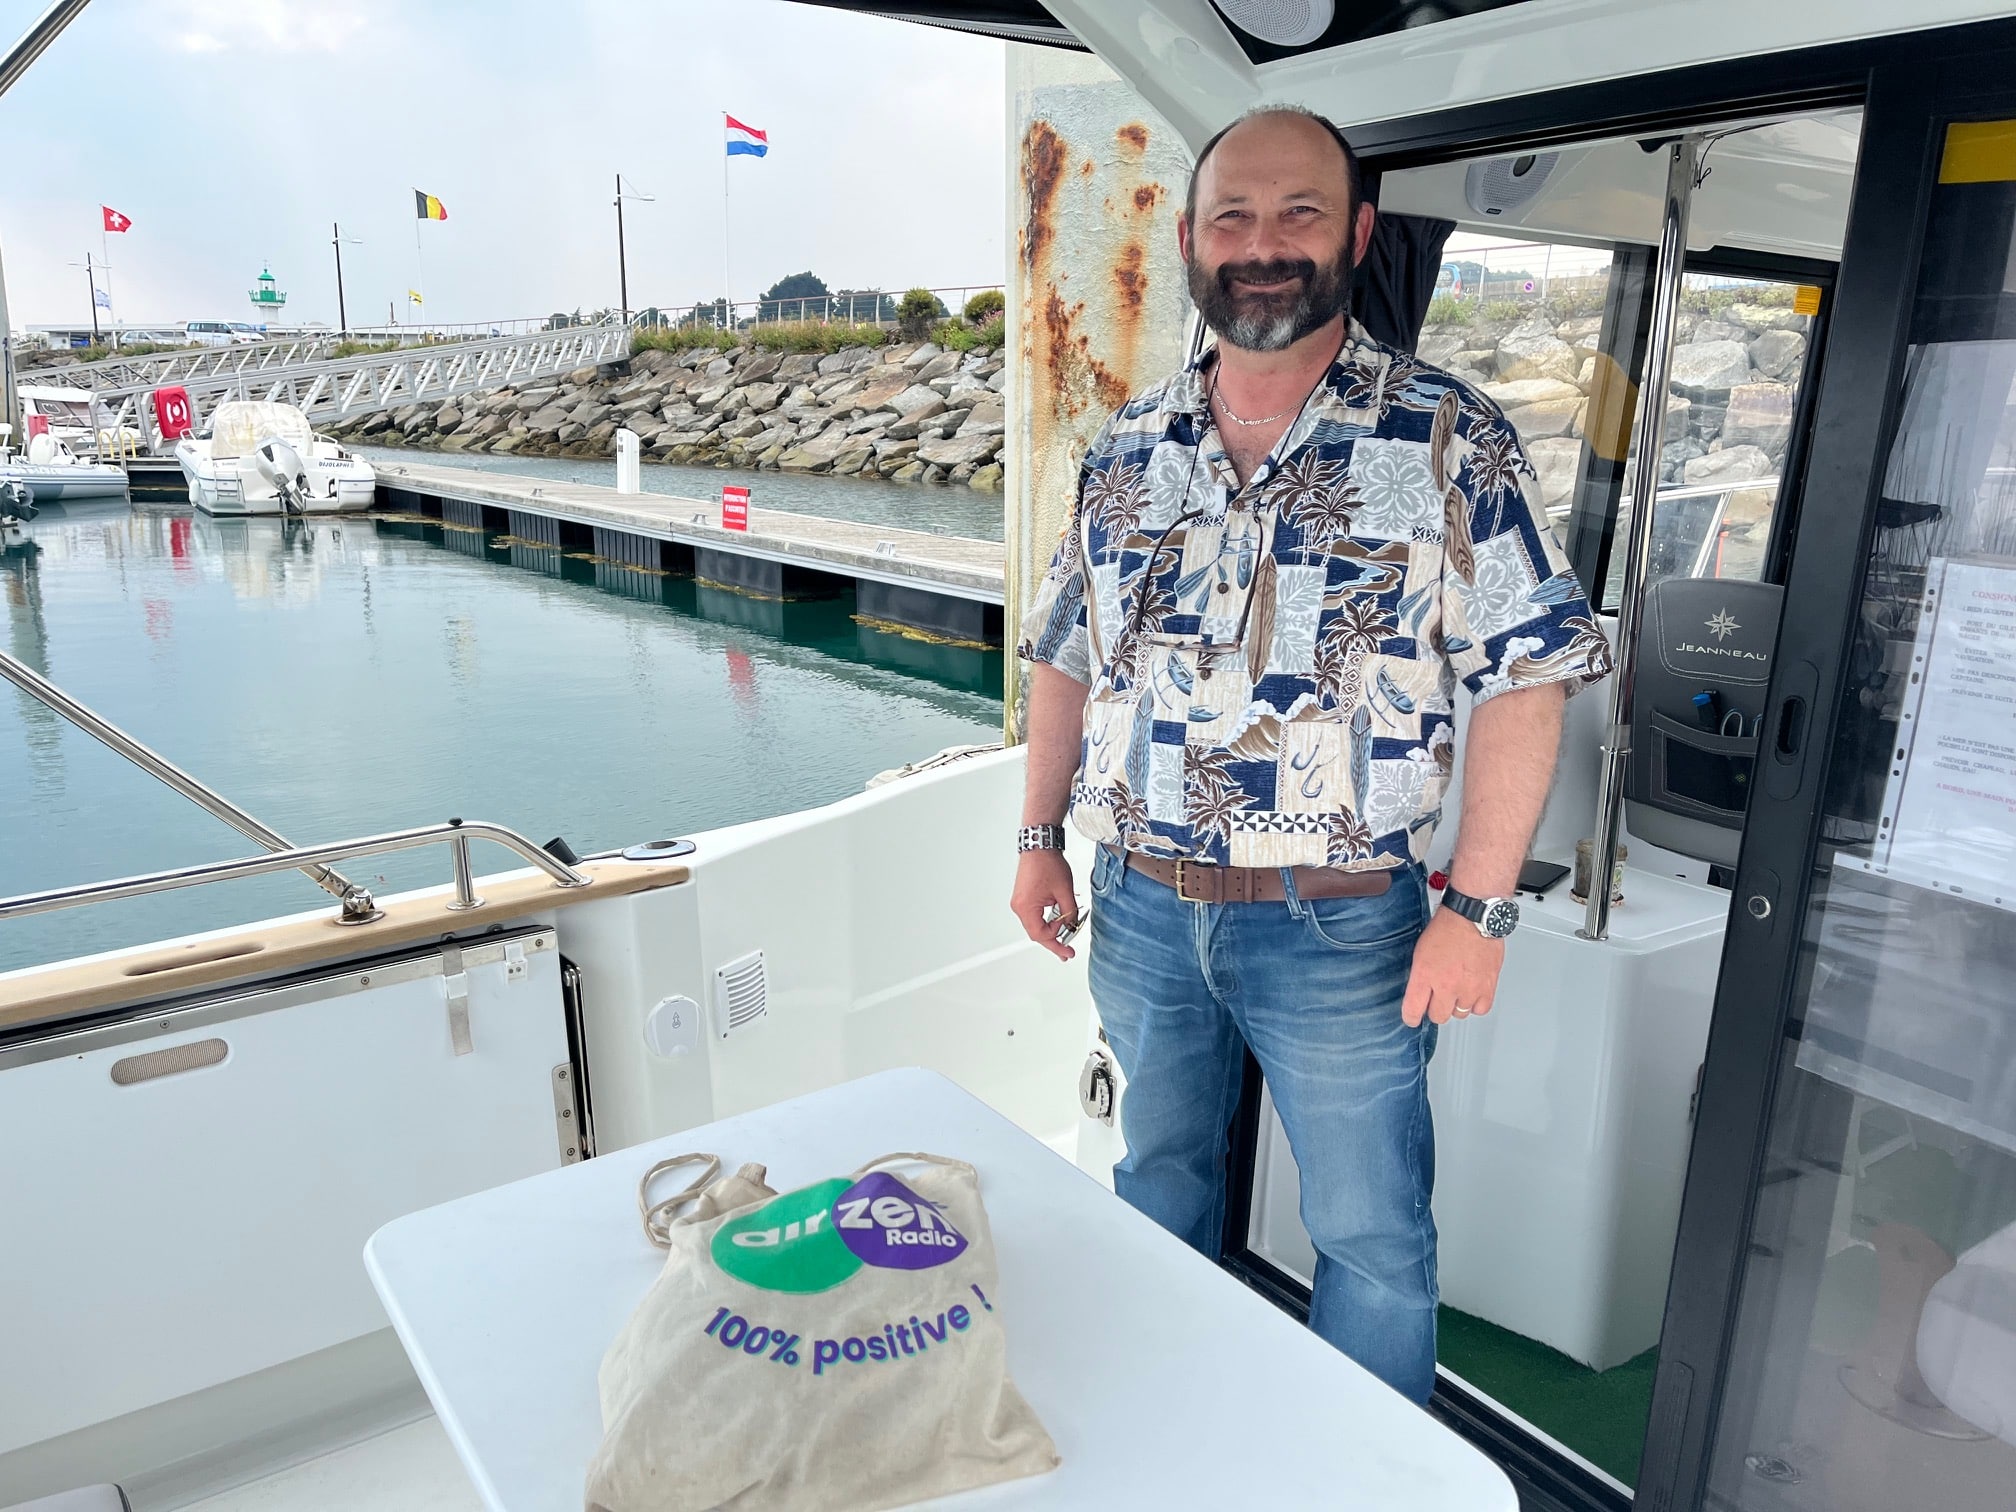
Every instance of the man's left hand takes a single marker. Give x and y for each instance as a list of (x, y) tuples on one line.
[(1455, 972)]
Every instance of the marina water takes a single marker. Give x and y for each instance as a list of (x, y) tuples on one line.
[(342, 677)]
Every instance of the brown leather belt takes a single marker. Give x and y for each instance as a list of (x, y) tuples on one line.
[(1196, 882)]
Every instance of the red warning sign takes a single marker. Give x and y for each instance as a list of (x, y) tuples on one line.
[(734, 507)]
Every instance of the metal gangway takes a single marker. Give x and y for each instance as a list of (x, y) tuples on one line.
[(159, 369), (328, 388)]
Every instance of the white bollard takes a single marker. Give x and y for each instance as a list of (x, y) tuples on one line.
[(629, 479)]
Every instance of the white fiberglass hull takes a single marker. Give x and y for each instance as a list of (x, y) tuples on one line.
[(227, 486), (61, 482)]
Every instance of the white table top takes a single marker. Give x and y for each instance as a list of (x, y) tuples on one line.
[(1163, 1381)]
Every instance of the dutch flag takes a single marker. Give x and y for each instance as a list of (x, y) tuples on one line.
[(745, 140)]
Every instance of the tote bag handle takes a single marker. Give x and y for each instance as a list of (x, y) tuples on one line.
[(658, 1215)]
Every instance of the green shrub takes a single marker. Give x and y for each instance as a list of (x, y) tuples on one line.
[(1502, 311), (360, 348), (1449, 309), (813, 336), (984, 305), (957, 336), (920, 307), (680, 339)]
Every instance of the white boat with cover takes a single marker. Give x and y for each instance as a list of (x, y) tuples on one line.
[(53, 474), (1725, 1183), (263, 457)]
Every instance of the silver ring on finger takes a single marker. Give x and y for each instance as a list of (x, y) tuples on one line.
[(1462, 1013)]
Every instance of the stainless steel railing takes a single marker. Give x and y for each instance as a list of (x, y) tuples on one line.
[(454, 833), (357, 904)]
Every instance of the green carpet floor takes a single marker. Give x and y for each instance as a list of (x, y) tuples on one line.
[(1600, 1415)]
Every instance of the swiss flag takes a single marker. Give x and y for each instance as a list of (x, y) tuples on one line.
[(114, 221)]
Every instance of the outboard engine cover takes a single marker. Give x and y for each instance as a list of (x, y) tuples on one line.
[(17, 501), (1704, 667), (281, 465)]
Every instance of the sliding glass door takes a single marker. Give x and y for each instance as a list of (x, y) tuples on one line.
[(1841, 1333)]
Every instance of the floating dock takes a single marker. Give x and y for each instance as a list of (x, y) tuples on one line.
[(947, 587)]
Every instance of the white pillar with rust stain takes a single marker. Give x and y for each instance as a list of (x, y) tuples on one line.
[(1096, 299)]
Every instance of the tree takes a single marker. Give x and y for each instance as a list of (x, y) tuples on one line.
[(984, 306), (797, 296)]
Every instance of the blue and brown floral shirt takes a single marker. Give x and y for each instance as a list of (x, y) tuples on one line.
[(1272, 668)]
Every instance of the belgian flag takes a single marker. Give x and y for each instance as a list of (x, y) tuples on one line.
[(427, 207)]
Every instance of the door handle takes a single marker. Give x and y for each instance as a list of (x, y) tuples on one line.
[(1789, 730)]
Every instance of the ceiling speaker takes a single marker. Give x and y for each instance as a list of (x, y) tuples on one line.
[(1285, 23), (1500, 186)]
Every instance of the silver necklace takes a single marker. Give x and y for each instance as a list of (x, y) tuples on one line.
[(1226, 406)]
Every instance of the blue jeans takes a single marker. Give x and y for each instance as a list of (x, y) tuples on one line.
[(1314, 988)]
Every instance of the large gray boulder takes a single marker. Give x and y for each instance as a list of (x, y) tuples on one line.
[(913, 424), (1710, 369), (1759, 414), (1556, 462), (1778, 354), (941, 366), (917, 399), (1732, 464), (922, 355), (1532, 350), (1524, 391), (1766, 317), (1549, 417), (953, 452)]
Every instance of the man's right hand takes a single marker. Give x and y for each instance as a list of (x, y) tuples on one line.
[(1043, 881)]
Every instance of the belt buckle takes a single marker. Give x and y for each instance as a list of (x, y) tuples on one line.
[(1181, 891)]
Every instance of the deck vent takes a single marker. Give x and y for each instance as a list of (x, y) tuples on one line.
[(741, 993), (1499, 186), (1285, 23)]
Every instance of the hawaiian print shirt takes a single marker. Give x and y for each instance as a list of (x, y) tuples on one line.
[(1272, 669)]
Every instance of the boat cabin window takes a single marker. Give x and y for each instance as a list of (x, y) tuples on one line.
[(1564, 1119)]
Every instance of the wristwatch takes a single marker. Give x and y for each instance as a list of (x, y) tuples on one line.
[(1040, 837), (1495, 918)]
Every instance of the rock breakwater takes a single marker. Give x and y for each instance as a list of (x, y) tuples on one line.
[(906, 412)]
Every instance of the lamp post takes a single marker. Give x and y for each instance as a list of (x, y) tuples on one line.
[(336, 240), (91, 277), (622, 262)]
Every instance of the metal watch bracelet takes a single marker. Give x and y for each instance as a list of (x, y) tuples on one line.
[(1040, 837)]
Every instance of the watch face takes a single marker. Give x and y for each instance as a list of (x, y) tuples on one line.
[(1501, 917)]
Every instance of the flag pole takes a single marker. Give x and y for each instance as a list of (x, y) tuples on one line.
[(726, 281), (105, 261)]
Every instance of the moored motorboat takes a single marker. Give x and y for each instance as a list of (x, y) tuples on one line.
[(53, 473), (264, 458)]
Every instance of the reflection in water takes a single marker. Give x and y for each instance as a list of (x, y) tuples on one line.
[(343, 678)]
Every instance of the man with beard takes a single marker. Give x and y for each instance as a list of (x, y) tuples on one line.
[(1244, 659)]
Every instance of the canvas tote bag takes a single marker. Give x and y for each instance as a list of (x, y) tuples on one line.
[(837, 1348)]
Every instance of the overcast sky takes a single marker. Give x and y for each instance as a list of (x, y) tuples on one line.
[(234, 132)]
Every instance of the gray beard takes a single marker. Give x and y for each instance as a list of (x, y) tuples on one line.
[(1252, 325)]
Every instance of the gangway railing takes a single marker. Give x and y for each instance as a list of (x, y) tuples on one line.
[(329, 389), (158, 369)]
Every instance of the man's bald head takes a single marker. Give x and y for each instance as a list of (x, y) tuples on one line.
[(1296, 118)]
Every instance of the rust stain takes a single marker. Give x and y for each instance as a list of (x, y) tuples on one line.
[(1134, 137), (1146, 197), (1043, 155), (1085, 168), (1131, 279)]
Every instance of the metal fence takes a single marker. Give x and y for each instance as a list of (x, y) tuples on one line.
[(840, 307)]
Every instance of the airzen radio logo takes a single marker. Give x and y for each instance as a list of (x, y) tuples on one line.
[(815, 1238)]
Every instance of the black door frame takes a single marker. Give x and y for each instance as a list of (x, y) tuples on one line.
[(1892, 79), (1766, 953)]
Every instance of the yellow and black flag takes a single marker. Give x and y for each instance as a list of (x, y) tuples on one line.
[(428, 208)]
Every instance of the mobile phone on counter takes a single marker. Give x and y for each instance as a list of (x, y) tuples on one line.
[(1537, 876)]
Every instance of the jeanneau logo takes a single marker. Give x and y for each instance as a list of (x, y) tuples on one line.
[(1723, 625)]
